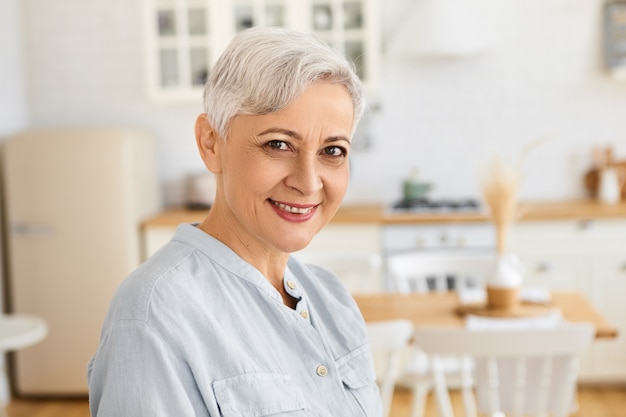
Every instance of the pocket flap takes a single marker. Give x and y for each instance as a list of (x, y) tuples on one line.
[(357, 368), (255, 395)]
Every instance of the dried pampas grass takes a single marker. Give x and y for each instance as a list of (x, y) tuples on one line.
[(500, 184)]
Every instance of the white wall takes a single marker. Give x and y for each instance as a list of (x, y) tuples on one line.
[(543, 77), (13, 113)]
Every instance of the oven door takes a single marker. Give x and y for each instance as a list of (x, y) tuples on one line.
[(421, 258)]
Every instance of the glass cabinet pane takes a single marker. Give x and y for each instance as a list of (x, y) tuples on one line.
[(197, 21), (199, 66), (353, 15), (322, 17), (166, 22), (244, 17), (169, 67), (354, 50)]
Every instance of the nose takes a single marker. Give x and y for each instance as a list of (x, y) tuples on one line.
[(305, 175)]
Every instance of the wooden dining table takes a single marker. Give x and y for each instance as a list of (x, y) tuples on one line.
[(442, 309)]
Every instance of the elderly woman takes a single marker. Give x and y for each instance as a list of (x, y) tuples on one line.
[(222, 321)]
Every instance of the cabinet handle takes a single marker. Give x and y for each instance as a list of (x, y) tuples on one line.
[(30, 229), (587, 224)]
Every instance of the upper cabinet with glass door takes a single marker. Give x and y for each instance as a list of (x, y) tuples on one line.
[(185, 37), (350, 26)]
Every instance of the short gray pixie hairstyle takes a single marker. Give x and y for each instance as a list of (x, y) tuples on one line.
[(263, 69)]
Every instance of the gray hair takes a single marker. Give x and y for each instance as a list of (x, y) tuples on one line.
[(263, 69)]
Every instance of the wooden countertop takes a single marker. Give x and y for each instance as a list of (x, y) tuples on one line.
[(357, 214)]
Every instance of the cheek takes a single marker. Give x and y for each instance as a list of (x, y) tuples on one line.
[(256, 176), (337, 182)]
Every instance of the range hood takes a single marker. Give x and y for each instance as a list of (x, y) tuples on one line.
[(442, 28)]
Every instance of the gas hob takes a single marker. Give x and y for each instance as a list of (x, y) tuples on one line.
[(425, 205)]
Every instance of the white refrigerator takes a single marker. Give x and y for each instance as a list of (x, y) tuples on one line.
[(74, 201)]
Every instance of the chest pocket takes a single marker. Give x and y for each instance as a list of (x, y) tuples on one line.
[(358, 375), (258, 395)]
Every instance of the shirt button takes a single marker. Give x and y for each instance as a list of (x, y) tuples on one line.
[(291, 284), (321, 370), (304, 314)]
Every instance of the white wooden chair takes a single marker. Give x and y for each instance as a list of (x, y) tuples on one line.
[(426, 271), (517, 372), (388, 339)]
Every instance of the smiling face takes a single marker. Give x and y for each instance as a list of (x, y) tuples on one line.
[(281, 176)]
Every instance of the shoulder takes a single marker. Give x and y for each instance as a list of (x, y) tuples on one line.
[(170, 276), (168, 267)]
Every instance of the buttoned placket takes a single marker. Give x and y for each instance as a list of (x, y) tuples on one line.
[(293, 288)]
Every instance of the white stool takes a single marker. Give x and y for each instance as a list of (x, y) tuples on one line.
[(17, 331)]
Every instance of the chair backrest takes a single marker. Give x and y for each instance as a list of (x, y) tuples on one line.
[(426, 271), (521, 372), (388, 341)]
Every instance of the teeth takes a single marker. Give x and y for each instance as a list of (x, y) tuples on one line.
[(290, 209)]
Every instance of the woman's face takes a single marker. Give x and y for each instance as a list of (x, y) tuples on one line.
[(282, 176)]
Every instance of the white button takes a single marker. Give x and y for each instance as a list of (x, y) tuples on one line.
[(304, 314), (321, 370), (291, 284)]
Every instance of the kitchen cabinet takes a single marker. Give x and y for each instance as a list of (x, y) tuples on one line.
[(587, 256), (609, 289), (184, 38)]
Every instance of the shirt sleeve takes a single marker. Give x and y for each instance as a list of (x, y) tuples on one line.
[(135, 373)]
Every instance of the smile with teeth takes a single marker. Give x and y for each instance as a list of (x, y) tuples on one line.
[(289, 209)]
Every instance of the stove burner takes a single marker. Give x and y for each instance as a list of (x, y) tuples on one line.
[(425, 205)]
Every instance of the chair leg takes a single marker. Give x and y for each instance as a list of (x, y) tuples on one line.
[(467, 388), (441, 389), (420, 393)]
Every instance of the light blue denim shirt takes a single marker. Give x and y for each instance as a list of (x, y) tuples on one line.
[(197, 331)]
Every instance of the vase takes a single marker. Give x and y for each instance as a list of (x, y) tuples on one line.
[(504, 283)]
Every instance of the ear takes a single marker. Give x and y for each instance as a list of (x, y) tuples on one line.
[(209, 145)]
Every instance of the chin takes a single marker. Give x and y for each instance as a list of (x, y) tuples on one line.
[(294, 245)]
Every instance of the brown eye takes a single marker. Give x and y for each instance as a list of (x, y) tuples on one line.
[(335, 151), (278, 145)]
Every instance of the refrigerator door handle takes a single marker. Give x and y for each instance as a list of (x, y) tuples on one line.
[(30, 229)]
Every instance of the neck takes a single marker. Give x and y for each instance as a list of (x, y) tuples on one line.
[(270, 262)]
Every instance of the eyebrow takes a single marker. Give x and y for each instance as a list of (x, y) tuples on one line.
[(295, 135)]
